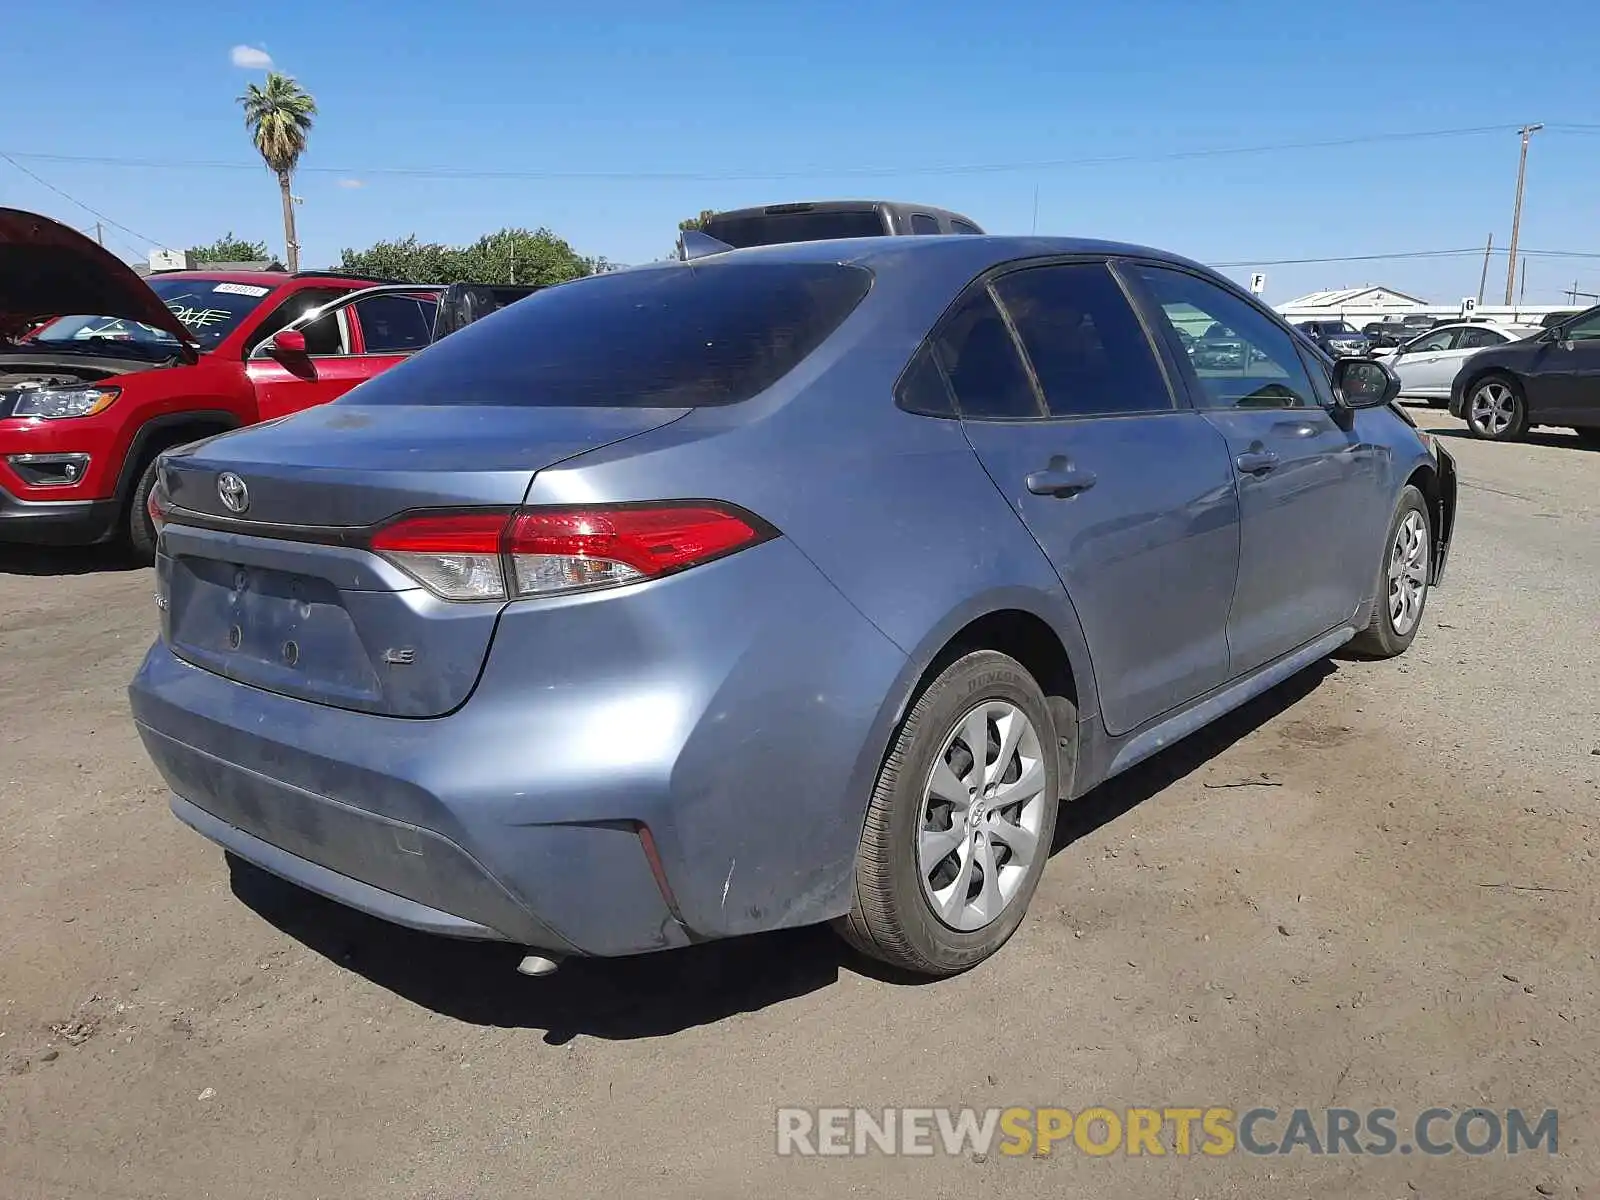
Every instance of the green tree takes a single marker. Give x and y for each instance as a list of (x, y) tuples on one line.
[(279, 118), (228, 248), (531, 257)]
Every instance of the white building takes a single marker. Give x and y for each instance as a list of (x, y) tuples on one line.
[(1374, 302)]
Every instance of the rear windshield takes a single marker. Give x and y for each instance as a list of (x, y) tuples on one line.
[(769, 229), (674, 337)]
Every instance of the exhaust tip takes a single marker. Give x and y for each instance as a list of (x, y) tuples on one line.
[(537, 965)]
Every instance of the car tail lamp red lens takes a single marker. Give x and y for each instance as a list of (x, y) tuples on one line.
[(155, 506), (549, 551), (456, 555)]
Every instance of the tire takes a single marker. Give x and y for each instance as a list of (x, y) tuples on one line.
[(138, 534), (893, 917), (1504, 416), (1589, 436), (1387, 634)]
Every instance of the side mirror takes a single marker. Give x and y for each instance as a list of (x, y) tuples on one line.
[(289, 341), (1364, 383)]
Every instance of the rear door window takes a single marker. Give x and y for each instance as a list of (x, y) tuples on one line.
[(1086, 345), (923, 223), (395, 324), (683, 336), (1475, 339), (979, 357), (965, 227)]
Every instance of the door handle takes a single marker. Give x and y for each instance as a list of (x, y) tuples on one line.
[(1256, 462), (1061, 480)]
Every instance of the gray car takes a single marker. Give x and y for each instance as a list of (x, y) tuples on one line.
[(789, 585)]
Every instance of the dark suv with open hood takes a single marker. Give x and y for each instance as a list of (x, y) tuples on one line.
[(127, 368)]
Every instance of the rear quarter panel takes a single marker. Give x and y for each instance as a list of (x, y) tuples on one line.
[(893, 509)]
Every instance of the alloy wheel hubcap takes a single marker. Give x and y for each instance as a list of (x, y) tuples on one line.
[(1408, 573), (982, 807), (1493, 408)]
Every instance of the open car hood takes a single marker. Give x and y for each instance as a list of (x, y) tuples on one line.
[(49, 270)]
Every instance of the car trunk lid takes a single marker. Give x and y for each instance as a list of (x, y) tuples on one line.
[(264, 575)]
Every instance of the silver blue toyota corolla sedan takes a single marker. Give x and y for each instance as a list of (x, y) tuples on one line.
[(781, 586)]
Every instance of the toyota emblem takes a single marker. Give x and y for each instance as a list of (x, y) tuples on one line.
[(233, 493)]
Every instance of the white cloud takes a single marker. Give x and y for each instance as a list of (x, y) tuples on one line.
[(352, 183), (251, 58)]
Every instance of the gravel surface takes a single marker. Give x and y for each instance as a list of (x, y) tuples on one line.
[(1399, 911)]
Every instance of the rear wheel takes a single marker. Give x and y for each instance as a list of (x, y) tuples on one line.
[(961, 820), (1403, 576), (1496, 409)]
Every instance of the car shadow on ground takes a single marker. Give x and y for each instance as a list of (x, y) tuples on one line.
[(654, 995), (65, 560)]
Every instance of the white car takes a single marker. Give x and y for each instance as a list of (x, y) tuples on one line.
[(1427, 365)]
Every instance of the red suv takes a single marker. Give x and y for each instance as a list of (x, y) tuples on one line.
[(87, 402)]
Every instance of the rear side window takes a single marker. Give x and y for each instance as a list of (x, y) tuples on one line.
[(923, 223), (669, 337), (1084, 341), (979, 358), (1474, 339), (769, 229), (965, 227), (396, 324), (923, 389)]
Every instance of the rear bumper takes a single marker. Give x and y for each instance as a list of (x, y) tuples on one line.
[(56, 522), (735, 712)]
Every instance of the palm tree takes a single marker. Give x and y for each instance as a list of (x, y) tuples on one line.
[(279, 117)]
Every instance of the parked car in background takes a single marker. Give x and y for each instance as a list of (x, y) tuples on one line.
[(1397, 331), (822, 220), (1552, 378), (1338, 339), (1427, 365), (88, 401), (1218, 348), (789, 585)]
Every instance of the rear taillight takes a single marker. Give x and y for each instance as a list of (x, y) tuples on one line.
[(549, 551), (155, 506)]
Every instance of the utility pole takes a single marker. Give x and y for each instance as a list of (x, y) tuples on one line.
[(1483, 280), (1522, 296), (99, 234), (1527, 132)]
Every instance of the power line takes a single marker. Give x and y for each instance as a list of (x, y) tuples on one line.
[(791, 173), (1403, 254), (66, 196)]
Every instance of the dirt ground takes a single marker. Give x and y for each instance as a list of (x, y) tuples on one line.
[(1400, 910)]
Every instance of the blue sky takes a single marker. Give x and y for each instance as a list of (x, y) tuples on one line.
[(829, 98)]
